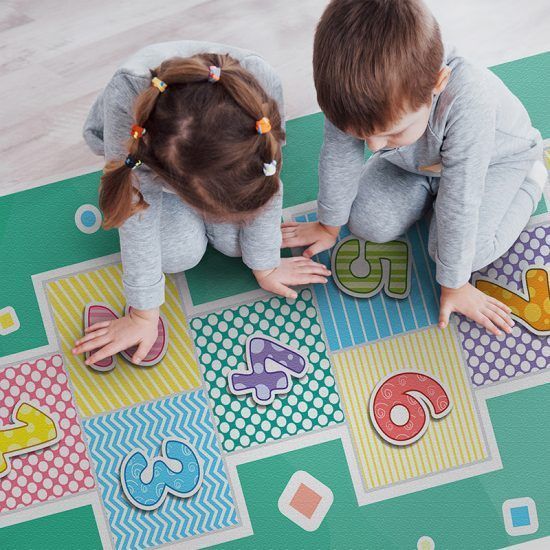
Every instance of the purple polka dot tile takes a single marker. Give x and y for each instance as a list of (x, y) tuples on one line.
[(490, 358)]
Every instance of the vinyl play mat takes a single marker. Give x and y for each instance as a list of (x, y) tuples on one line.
[(343, 419)]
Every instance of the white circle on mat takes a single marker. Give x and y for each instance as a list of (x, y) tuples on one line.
[(425, 543), (88, 218)]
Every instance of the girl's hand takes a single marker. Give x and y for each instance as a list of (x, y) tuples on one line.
[(291, 271), (139, 327), (315, 235), (483, 309)]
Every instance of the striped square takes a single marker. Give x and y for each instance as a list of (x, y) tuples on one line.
[(450, 442), (112, 436), (350, 321), (97, 392)]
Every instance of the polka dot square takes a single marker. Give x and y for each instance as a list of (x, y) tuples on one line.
[(54, 471), (496, 358), (312, 401)]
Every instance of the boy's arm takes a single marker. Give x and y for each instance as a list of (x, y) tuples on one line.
[(340, 164), (465, 157)]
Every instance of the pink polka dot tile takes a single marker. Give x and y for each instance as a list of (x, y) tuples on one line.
[(56, 470)]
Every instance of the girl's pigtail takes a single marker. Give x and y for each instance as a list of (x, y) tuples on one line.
[(118, 197)]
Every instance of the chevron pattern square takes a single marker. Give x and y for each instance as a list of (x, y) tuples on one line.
[(112, 436)]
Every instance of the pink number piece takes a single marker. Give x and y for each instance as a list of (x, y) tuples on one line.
[(97, 313), (401, 403)]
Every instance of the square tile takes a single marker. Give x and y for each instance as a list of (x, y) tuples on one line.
[(305, 501), (449, 442), (60, 466), (185, 416), (494, 358), (9, 322), (312, 401), (350, 321), (520, 516), (98, 392)]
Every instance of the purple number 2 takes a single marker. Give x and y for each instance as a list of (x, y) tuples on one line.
[(270, 365)]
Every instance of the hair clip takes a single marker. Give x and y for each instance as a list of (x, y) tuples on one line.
[(137, 131), (131, 162), (263, 126), (159, 84), (270, 169), (214, 74)]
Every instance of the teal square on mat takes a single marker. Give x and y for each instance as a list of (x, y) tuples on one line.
[(312, 402)]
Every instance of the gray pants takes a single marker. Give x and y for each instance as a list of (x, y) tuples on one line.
[(185, 234), (391, 199)]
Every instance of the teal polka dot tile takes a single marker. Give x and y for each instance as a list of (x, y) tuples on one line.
[(311, 403)]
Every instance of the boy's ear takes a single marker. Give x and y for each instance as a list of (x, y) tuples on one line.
[(442, 79)]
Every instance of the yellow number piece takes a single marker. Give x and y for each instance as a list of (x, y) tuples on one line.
[(32, 430), (532, 309)]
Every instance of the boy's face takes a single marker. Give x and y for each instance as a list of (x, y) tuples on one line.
[(404, 132), (412, 124)]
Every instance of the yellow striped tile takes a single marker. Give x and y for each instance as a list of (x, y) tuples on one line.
[(452, 441), (97, 392)]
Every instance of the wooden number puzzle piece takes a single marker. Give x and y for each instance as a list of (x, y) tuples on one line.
[(147, 483), (363, 268), (270, 365), (401, 403), (96, 312), (532, 307), (32, 430)]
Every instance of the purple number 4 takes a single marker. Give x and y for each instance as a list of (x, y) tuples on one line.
[(270, 366)]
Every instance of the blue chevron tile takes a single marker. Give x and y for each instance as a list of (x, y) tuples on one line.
[(112, 436)]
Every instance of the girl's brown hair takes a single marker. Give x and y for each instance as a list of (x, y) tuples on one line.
[(201, 140), (373, 59)]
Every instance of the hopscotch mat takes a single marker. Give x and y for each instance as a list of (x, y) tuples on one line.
[(343, 419)]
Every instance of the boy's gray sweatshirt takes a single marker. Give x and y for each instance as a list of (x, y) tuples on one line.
[(475, 122), (107, 130)]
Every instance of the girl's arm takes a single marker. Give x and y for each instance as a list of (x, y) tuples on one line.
[(143, 280)]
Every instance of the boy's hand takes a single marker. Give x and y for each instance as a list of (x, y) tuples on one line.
[(483, 309), (291, 271), (139, 327), (317, 236)]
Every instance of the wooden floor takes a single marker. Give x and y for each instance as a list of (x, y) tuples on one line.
[(55, 56)]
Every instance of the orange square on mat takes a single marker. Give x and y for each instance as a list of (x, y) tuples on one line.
[(305, 501)]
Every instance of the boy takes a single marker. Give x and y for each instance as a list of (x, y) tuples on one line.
[(443, 133)]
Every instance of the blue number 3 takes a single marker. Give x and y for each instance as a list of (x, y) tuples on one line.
[(147, 482)]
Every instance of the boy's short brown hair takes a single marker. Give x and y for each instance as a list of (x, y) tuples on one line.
[(373, 59)]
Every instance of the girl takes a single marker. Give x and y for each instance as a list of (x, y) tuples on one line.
[(201, 166)]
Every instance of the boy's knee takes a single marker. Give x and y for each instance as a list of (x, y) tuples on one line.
[(487, 252), (373, 228)]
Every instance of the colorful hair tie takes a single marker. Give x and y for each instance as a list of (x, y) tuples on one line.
[(159, 84), (263, 126), (131, 162), (137, 131), (270, 169), (214, 74)]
